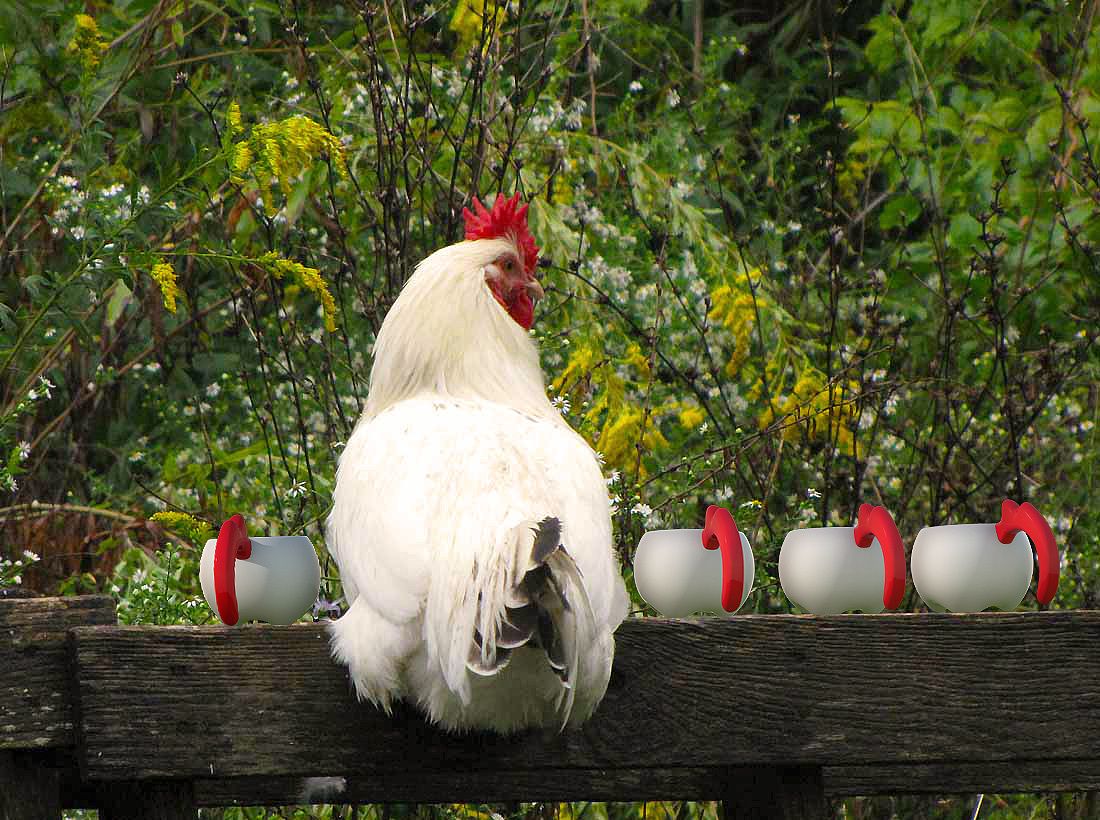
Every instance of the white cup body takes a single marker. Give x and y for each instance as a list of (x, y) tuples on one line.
[(824, 571), (277, 583), (677, 575), (964, 568)]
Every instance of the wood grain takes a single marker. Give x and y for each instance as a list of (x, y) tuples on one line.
[(668, 783), (35, 705), (846, 692)]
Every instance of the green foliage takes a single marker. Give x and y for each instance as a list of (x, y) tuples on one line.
[(161, 589)]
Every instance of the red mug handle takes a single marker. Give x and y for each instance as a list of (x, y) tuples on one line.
[(1028, 520), (232, 544), (876, 522), (720, 532)]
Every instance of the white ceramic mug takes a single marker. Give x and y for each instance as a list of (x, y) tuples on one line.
[(828, 570), (274, 579), (969, 567), (679, 572)]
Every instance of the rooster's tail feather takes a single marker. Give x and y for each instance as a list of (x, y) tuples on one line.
[(547, 608)]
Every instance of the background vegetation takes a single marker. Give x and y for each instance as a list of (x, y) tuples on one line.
[(798, 256)]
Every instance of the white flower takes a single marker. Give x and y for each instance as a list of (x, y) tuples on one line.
[(642, 509), (29, 556), (812, 493), (213, 389), (672, 98), (634, 87), (794, 227), (24, 450)]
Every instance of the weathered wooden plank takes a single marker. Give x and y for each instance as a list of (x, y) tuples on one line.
[(35, 707), (675, 783), (751, 690), (961, 777)]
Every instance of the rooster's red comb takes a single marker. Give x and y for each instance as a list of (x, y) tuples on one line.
[(506, 218)]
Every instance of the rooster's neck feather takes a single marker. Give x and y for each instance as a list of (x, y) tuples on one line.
[(447, 335)]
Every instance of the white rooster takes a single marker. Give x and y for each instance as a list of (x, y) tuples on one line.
[(470, 523)]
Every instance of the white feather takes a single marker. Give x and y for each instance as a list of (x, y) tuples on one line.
[(458, 455)]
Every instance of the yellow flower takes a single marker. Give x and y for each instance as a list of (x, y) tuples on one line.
[(634, 356), (165, 276), (581, 364), (242, 159), (309, 277), (86, 43), (619, 440), (818, 410), (282, 151), (184, 524), (233, 116), (736, 309), (691, 417), (470, 19)]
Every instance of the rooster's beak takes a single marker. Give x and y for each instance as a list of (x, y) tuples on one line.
[(534, 289)]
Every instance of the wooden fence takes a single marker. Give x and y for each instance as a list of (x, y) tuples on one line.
[(769, 714)]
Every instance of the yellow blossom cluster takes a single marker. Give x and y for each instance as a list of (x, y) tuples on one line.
[(735, 306), (827, 411), (165, 276), (691, 416), (592, 372), (620, 436), (472, 16), (184, 524), (86, 43), (280, 151), (310, 279), (233, 118)]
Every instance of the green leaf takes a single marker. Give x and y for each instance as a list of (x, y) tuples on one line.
[(177, 33), (119, 299), (899, 212), (963, 233), (560, 242)]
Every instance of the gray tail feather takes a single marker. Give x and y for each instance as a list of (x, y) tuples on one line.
[(541, 611)]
